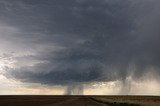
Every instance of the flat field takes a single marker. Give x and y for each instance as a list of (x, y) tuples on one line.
[(50, 100)]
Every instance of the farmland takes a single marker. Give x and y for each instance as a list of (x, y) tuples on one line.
[(49, 100)]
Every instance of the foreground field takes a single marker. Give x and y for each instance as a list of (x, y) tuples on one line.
[(79, 100), (128, 100)]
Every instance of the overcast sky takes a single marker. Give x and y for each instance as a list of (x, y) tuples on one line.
[(79, 47)]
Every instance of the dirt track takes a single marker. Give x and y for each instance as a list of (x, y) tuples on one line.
[(81, 101)]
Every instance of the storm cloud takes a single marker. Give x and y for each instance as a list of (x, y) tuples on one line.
[(82, 41)]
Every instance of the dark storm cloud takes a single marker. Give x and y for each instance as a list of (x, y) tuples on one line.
[(100, 39)]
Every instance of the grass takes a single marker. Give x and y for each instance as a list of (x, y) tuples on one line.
[(128, 100), (113, 103), (41, 100)]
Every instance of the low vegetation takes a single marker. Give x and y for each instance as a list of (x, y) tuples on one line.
[(128, 100)]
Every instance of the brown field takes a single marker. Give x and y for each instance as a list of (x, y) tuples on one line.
[(41, 100)]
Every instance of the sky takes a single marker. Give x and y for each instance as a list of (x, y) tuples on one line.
[(76, 47)]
